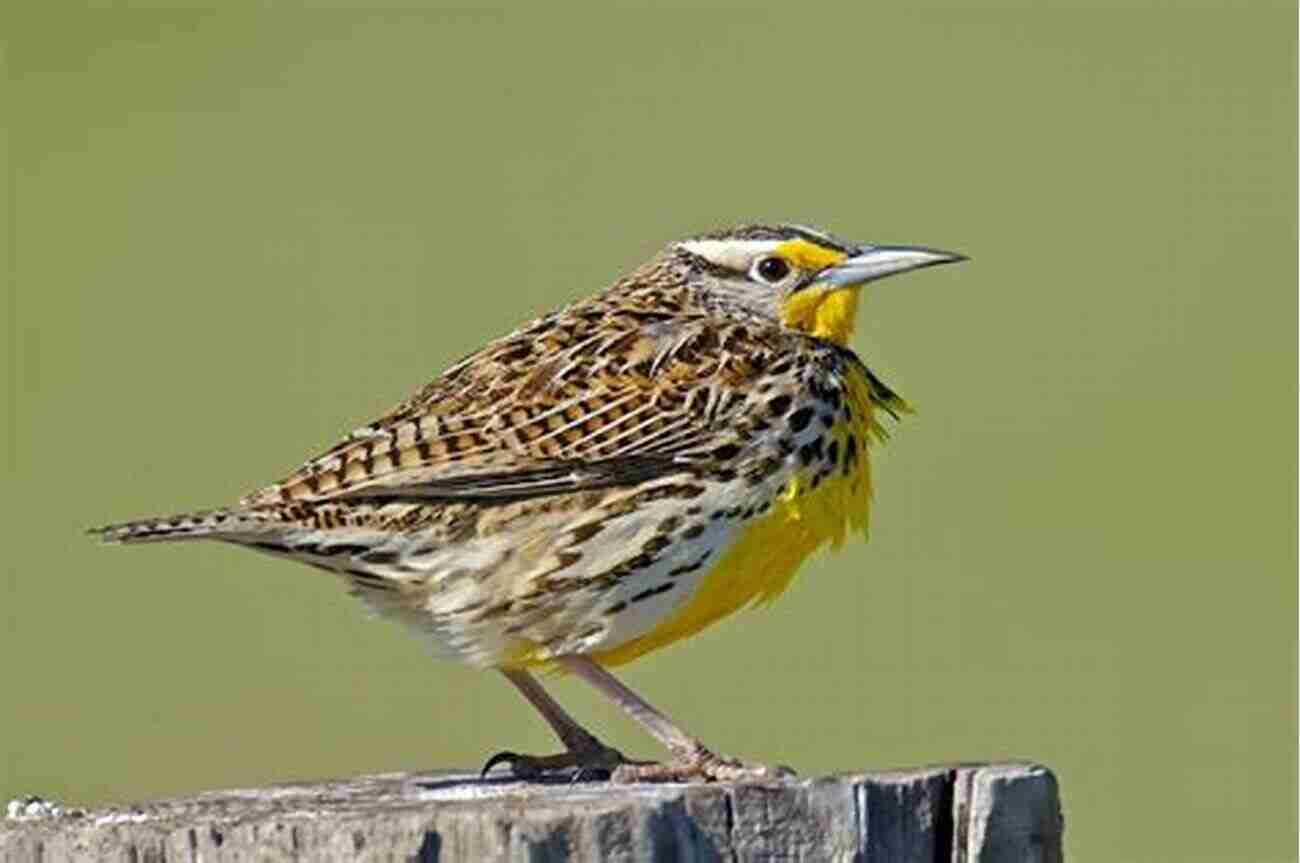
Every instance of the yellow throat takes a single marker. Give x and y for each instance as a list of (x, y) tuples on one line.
[(825, 311)]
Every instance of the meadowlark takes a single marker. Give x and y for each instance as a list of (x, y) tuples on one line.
[(606, 480)]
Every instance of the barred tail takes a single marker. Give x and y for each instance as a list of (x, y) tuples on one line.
[(210, 524)]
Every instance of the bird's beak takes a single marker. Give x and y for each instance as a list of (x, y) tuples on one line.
[(876, 262)]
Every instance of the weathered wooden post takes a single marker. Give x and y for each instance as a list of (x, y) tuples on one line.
[(986, 813)]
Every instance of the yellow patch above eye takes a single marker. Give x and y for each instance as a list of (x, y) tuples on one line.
[(827, 312), (809, 256)]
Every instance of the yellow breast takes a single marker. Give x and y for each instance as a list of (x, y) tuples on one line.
[(760, 562)]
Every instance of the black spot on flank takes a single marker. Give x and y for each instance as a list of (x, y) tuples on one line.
[(652, 591), (717, 514), (799, 419), (656, 544), (345, 548), (584, 532), (670, 524), (690, 567), (616, 608), (693, 531), (381, 557), (779, 405), (828, 420), (591, 631), (469, 607), (726, 452), (833, 452), (810, 451), (632, 564)]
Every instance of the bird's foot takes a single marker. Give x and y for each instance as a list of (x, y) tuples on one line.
[(700, 765), (585, 763)]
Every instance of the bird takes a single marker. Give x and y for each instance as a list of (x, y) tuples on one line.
[(606, 480)]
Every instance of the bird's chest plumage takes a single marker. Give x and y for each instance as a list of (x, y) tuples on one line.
[(802, 481)]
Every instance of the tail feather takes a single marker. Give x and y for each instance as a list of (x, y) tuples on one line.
[(209, 524)]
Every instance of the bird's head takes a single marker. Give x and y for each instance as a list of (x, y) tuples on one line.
[(803, 278)]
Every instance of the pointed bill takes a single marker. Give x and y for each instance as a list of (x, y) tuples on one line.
[(876, 262)]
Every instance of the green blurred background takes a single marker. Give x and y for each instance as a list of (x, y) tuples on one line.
[(234, 236)]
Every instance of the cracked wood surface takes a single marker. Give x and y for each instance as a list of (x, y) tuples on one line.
[(989, 813)]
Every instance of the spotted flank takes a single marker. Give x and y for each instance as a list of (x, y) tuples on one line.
[(609, 478)]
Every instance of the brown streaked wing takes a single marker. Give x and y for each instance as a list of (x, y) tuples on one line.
[(590, 397)]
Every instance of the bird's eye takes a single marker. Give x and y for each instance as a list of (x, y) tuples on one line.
[(772, 270)]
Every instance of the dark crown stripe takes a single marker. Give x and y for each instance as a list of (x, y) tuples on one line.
[(780, 232)]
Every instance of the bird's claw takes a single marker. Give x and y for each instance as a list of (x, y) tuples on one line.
[(503, 757), (577, 765)]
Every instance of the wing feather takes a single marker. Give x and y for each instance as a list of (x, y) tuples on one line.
[(523, 483), (591, 397)]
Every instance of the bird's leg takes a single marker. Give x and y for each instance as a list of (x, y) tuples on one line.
[(571, 734), (585, 754), (690, 759)]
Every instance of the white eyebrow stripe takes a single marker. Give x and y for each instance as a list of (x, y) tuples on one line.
[(732, 254)]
